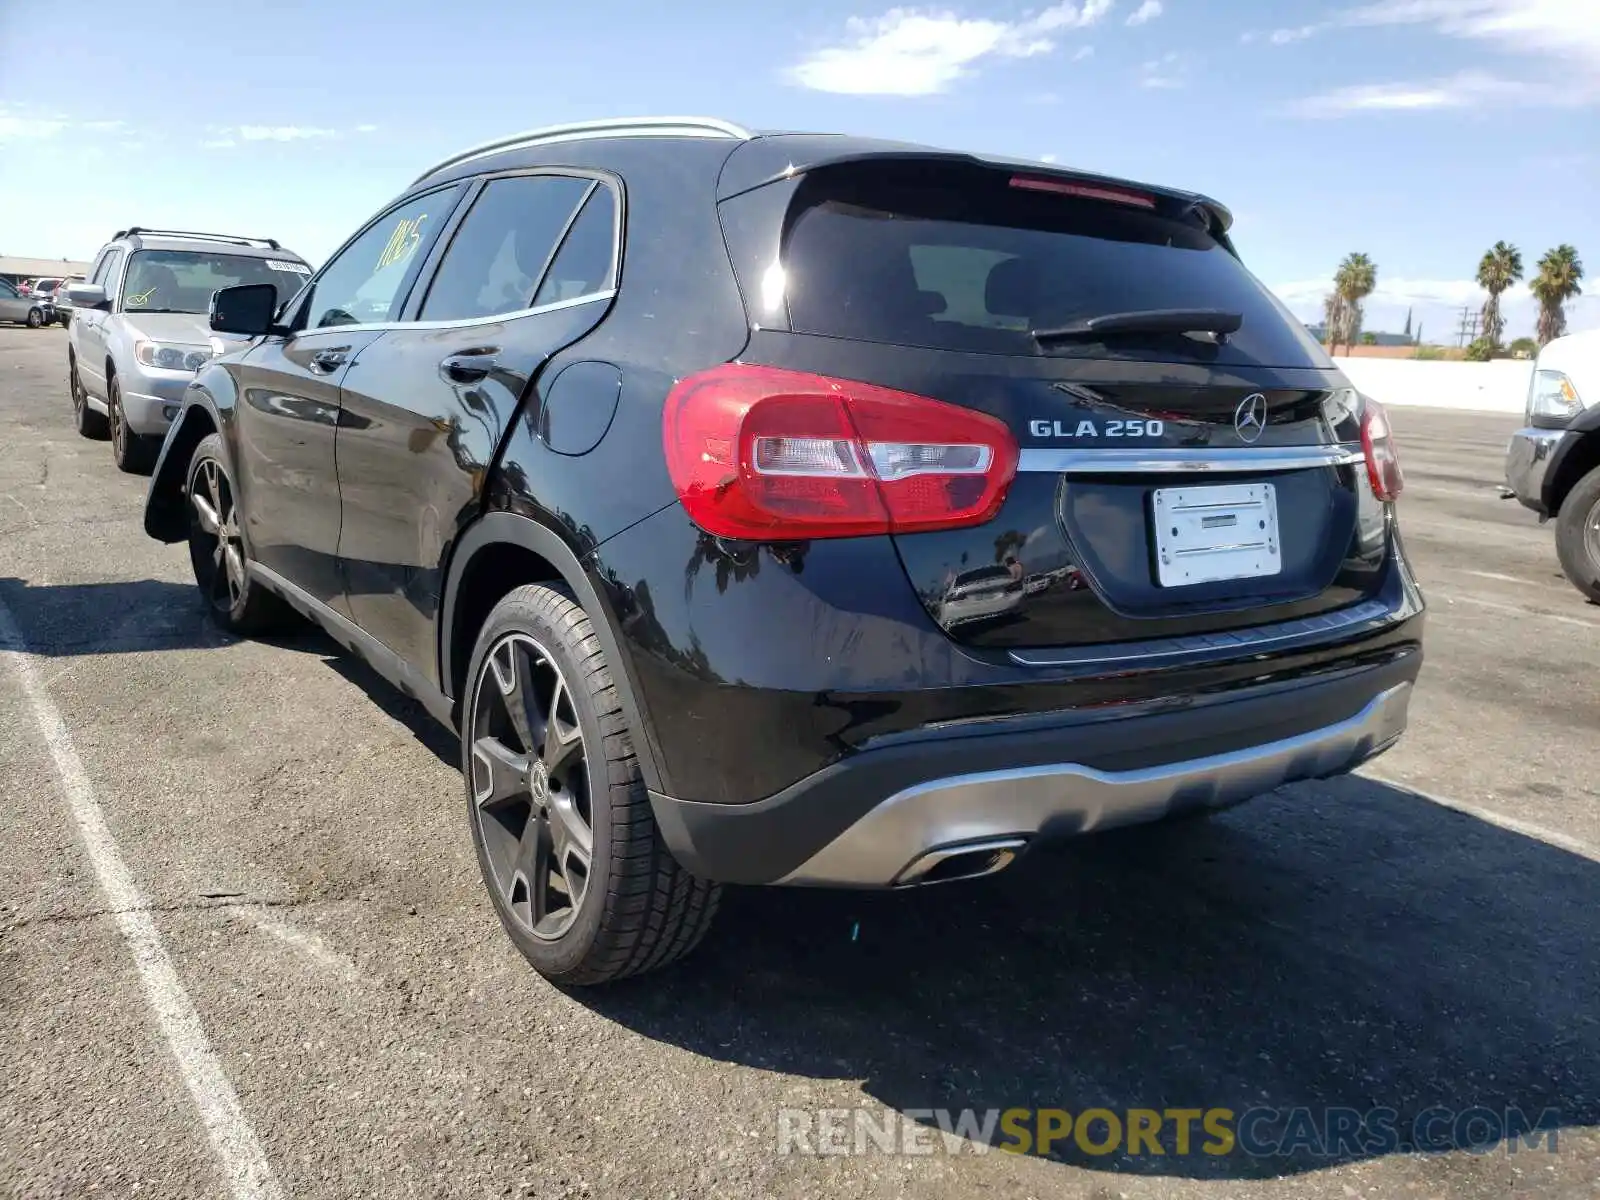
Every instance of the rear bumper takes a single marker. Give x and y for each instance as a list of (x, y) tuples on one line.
[(960, 805), (1528, 459)]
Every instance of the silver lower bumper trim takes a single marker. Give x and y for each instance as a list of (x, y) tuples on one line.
[(887, 847)]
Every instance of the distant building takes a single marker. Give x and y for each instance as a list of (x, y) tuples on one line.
[(15, 270), (1319, 331)]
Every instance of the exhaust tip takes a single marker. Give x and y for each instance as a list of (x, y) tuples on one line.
[(969, 860)]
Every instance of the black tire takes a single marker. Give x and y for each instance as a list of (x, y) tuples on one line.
[(35, 319), (1578, 535), (632, 908), (236, 600), (89, 423), (134, 454)]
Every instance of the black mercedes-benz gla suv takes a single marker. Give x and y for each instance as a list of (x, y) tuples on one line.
[(803, 509)]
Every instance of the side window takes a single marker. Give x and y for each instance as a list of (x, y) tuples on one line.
[(363, 283), (97, 273), (585, 263), (113, 266), (497, 255), (7, 290)]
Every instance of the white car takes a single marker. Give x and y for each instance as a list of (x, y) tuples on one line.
[(1553, 463)]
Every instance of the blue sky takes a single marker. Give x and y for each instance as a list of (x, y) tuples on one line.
[(1418, 131)]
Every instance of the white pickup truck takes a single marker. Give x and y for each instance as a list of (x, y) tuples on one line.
[(1553, 463)]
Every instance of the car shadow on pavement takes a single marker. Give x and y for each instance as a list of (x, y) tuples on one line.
[(1343, 946), (63, 620)]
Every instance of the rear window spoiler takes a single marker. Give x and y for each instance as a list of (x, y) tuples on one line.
[(771, 159)]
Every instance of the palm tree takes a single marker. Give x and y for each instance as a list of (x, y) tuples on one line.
[(1500, 267), (1555, 284), (1354, 281), (1332, 320)]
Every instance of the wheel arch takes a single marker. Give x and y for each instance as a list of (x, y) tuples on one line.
[(1575, 460), (502, 551), (165, 517)]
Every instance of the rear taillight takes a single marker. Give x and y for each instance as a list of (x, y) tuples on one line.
[(770, 454), (1383, 461)]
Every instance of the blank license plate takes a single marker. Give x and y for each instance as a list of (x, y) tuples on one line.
[(1207, 534)]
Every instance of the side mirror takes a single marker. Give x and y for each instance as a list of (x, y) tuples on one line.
[(246, 308), (87, 295)]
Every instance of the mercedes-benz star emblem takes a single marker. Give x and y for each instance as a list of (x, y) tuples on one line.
[(1250, 418), (539, 784)]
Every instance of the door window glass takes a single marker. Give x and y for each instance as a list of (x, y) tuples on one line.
[(584, 264), (364, 282), (7, 290), (496, 257), (108, 278)]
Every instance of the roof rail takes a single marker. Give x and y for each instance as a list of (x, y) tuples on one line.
[(613, 127), (269, 243)]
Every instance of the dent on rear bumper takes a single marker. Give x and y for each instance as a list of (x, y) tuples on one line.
[(1528, 459)]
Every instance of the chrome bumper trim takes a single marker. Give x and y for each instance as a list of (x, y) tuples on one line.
[(1187, 460), (1528, 457), (947, 814)]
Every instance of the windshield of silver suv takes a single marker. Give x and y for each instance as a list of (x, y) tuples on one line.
[(182, 281)]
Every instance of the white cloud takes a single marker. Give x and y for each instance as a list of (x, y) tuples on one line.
[(1564, 28), (226, 137), (1465, 90), (1434, 304), (913, 52), (21, 122), (1148, 11), (284, 133), (1047, 158), (1282, 37), (1163, 72), (1400, 291), (1082, 53), (14, 128)]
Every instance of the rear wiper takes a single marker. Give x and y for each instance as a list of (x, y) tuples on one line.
[(1152, 320)]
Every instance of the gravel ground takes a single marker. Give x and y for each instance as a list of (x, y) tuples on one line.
[(1423, 935)]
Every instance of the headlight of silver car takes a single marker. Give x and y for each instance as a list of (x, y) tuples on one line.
[(171, 356)]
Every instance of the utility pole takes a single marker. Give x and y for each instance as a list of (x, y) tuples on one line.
[(1468, 329)]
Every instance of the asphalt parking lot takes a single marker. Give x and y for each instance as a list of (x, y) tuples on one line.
[(293, 833)]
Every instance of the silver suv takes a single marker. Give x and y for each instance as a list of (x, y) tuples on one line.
[(141, 329)]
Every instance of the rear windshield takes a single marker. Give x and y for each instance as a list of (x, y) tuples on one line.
[(961, 259)]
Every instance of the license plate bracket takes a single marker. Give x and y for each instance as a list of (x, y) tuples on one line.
[(1215, 533)]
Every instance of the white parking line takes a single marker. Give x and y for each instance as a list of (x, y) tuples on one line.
[(303, 940), (1542, 833), (1519, 610), (238, 1151), (1495, 575)]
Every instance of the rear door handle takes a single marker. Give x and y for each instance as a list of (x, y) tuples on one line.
[(469, 367), (329, 360)]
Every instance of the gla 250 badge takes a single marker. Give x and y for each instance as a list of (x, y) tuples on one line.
[(1088, 429)]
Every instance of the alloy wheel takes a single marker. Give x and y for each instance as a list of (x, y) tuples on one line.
[(1591, 535), (119, 431), (530, 787), (215, 536)]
